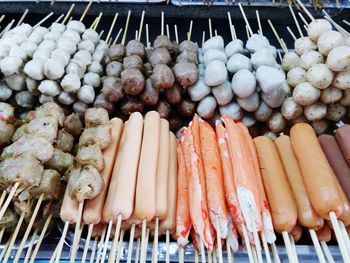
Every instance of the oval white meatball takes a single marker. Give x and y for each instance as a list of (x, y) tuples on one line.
[(303, 44), (231, 110), (248, 120), (305, 94), (214, 54), (199, 90), (72, 35), (290, 109), (238, 62), (53, 36), (61, 55), (317, 27), (98, 56), (47, 44), (49, 88), (215, 73), (32, 86), (96, 67), (53, 69), (223, 93), (243, 83), (42, 54), (83, 56), (92, 35), (86, 94), (57, 27), (269, 78), (234, 47), (16, 82), (296, 76), (329, 40), (92, 79), (44, 99), (290, 60), (10, 65), (339, 58), (5, 92), (4, 50), (256, 42), (17, 51), (342, 80), (216, 42), (87, 45), (66, 98), (263, 112), (76, 69), (275, 98), (29, 47), (250, 103), (206, 107), (331, 95), (76, 26), (67, 44), (263, 57), (71, 83), (320, 76), (315, 112), (35, 69), (310, 58)]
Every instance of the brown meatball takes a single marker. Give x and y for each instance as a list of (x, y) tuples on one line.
[(114, 68), (186, 74), (162, 77), (135, 47), (175, 123), (91, 155), (50, 186), (133, 62), (116, 52), (159, 56), (113, 89), (173, 95), (64, 141), (131, 105), (149, 95), (60, 161), (7, 130), (99, 135), (187, 108), (164, 109), (133, 81), (73, 125), (102, 101), (147, 70), (95, 117), (163, 41), (187, 56), (188, 45)]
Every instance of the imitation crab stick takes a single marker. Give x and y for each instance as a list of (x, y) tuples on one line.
[(197, 193), (183, 220), (213, 178)]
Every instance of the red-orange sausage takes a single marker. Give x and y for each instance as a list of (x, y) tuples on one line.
[(297, 232)]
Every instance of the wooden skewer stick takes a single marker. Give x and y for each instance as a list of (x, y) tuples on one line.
[(118, 35), (265, 246), (176, 34), (120, 246), (259, 23), (345, 235), (126, 28), (98, 20), (305, 10), (210, 29), (296, 21), (344, 21), (167, 31), (317, 246), (41, 237), (76, 231), (7, 28), (228, 252), (112, 27), (101, 244), (143, 241), (148, 44), (2, 198), (87, 243), (2, 231), (2, 18), (203, 38), (101, 34), (43, 20), (68, 14), (5, 248), (337, 26), (86, 10), (137, 253), (131, 242), (190, 31), (218, 237), (230, 25), (289, 249), (303, 19), (155, 242), (141, 25), (31, 244), (14, 236), (167, 243), (93, 23), (234, 31), (105, 246), (182, 254), (247, 243), (20, 21), (214, 256), (162, 24), (327, 252), (93, 253), (202, 250), (257, 243), (9, 198), (276, 257), (57, 254), (245, 18), (146, 245), (209, 257), (291, 33), (196, 260), (292, 242), (247, 31), (29, 228), (277, 36), (58, 19), (115, 240)]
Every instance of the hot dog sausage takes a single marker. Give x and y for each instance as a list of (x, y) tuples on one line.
[(343, 138), (279, 194), (121, 192), (69, 209), (93, 208), (345, 214), (307, 216), (297, 232), (317, 173), (162, 171), (145, 202), (324, 234)]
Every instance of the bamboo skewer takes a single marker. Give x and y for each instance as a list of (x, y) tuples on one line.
[(9, 197), (230, 25), (218, 236), (43, 20), (20, 21), (7, 28), (228, 252), (289, 248), (245, 19), (126, 27), (276, 257), (93, 253), (86, 10), (41, 237), (137, 253), (131, 242), (210, 29), (176, 34), (344, 21), (339, 237), (259, 23), (87, 243), (2, 198), (117, 37), (282, 44), (317, 246), (305, 10), (13, 237), (105, 246), (202, 249), (101, 244), (296, 21), (112, 27), (141, 25), (76, 231), (327, 252), (115, 240), (265, 246), (120, 246), (68, 14), (291, 33), (31, 244)]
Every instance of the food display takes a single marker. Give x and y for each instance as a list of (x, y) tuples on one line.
[(171, 149)]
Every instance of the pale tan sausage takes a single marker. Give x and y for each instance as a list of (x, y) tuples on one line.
[(307, 216), (145, 202), (317, 173), (69, 209), (279, 194), (297, 232)]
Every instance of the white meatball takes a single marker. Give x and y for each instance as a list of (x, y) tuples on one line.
[(86, 94), (96, 67), (48, 44), (345, 101), (329, 40), (29, 47), (87, 45), (67, 44), (215, 73), (49, 88), (206, 107), (290, 60), (76, 26), (238, 62), (291, 110), (36, 37), (276, 123), (310, 58), (92, 79), (303, 44), (342, 80), (315, 112), (83, 56), (17, 51), (243, 83), (57, 27), (10, 65), (273, 51), (263, 57), (269, 78), (44, 99), (199, 90), (61, 55), (331, 95), (5, 92), (53, 69), (305, 94), (231, 110), (92, 35), (32, 86), (71, 83), (250, 103), (66, 98), (338, 58), (263, 112), (42, 54), (35, 69), (275, 98), (16, 82), (248, 120), (317, 27), (76, 69), (296, 76), (4, 50), (72, 35), (80, 108), (320, 76), (102, 46), (214, 54), (223, 93), (53, 36), (234, 47), (98, 56), (256, 42), (216, 42)]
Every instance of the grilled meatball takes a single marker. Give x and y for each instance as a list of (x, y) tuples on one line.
[(186, 74), (173, 95), (133, 81), (9, 219), (21, 131), (164, 42), (114, 69), (117, 52), (159, 56), (131, 105), (102, 101), (147, 70), (60, 161), (44, 126), (135, 47), (51, 109), (99, 135), (50, 186), (91, 155), (64, 141), (189, 46), (113, 89), (95, 117), (72, 124), (162, 77), (164, 109), (187, 108), (133, 62), (187, 56), (149, 95)]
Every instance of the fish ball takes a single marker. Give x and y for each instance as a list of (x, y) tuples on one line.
[(92, 79), (42, 54), (320, 76), (216, 42), (263, 112), (66, 98), (206, 107), (29, 47), (91, 34), (16, 82), (329, 40), (10, 65), (199, 90), (87, 45), (72, 35), (256, 42), (248, 120), (295, 76), (335, 112), (25, 99), (114, 69), (290, 60), (44, 99), (305, 94), (214, 54), (243, 83), (77, 26), (338, 58), (57, 27), (317, 27), (67, 44), (17, 51), (86, 94), (223, 93), (80, 108), (215, 73), (95, 67), (5, 92), (276, 123), (47, 44), (84, 56), (238, 62), (269, 78), (275, 98), (61, 55), (310, 58), (250, 103), (234, 47), (331, 95), (315, 112), (71, 83), (231, 110), (49, 88), (263, 57), (303, 44), (291, 110), (53, 69), (342, 80), (53, 36)]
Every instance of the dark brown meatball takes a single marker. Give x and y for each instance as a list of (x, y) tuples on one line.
[(114, 68), (147, 70), (159, 56), (187, 56), (73, 125), (133, 62), (131, 105), (186, 73), (133, 81), (162, 77), (164, 109), (187, 108), (175, 123), (149, 95), (163, 41), (101, 101), (113, 89), (116, 52), (135, 47), (173, 95), (188, 45)]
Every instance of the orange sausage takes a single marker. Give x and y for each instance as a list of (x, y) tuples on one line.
[(244, 175), (213, 177), (297, 232), (324, 234), (145, 202), (121, 192), (317, 173), (183, 220), (307, 217), (162, 171), (279, 194), (169, 222), (93, 208), (98, 229), (197, 193), (69, 209)]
